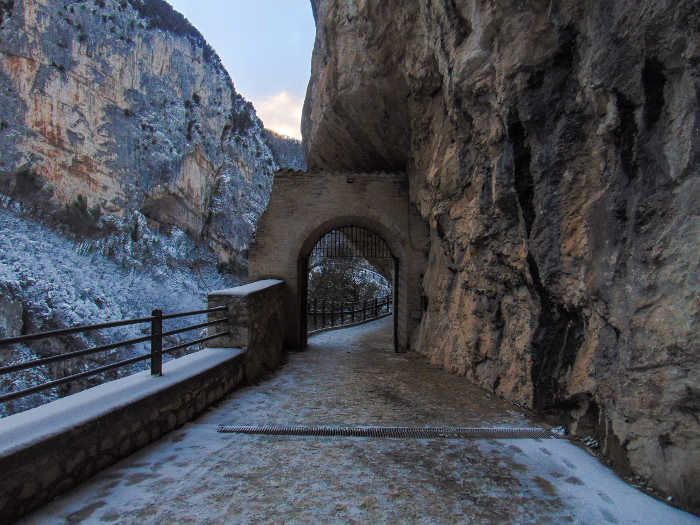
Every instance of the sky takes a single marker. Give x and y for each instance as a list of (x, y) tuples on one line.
[(266, 47)]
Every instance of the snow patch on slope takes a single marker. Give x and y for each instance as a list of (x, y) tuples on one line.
[(59, 282)]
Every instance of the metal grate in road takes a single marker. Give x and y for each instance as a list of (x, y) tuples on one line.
[(392, 432)]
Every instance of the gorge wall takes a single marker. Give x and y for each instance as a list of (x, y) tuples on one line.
[(554, 150), (122, 132), (119, 105)]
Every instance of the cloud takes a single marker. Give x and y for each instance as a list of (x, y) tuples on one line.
[(281, 113)]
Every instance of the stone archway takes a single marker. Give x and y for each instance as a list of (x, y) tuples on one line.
[(359, 241), (304, 206)]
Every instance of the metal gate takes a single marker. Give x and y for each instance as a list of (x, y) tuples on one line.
[(348, 242)]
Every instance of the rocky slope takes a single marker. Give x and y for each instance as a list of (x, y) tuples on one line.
[(48, 281), (287, 151), (121, 130), (120, 105), (553, 148)]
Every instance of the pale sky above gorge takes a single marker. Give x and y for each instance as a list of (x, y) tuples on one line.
[(266, 47)]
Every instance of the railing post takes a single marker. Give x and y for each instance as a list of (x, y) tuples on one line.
[(157, 343), (323, 314), (315, 313), (376, 311), (352, 312)]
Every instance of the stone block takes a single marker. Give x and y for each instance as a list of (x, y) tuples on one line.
[(50, 475), (29, 489), (256, 313)]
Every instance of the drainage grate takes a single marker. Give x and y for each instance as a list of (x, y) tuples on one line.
[(391, 432)]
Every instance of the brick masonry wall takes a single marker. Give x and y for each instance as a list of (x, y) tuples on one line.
[(305, 206)]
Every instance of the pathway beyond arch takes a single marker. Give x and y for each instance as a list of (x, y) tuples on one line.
[(352, 377)]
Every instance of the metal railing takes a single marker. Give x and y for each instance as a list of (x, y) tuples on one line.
[(155, 355), (333, 314)]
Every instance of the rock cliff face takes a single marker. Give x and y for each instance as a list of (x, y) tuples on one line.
[(554, 150), (121, 105)]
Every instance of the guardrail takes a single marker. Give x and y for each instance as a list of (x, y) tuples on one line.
[(155, 355), (331, 314)]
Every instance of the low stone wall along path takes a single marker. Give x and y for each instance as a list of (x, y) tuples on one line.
[(352, 377)]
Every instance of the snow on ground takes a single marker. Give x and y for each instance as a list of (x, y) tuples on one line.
[(351, 376), (62, 282)]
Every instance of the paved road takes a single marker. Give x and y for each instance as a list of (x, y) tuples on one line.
[(351, 377)]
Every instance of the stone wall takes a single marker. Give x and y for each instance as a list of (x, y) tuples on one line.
[(305, 206), (553, 150), (48, 450), (36, 472), (257, 316)]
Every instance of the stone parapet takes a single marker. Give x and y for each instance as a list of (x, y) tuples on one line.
[(257, 319), (47, 450)]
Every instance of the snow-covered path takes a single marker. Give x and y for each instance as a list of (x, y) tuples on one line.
[(351, 377)]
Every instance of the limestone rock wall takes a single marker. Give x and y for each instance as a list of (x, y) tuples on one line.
[(122, 105), (553, 149)]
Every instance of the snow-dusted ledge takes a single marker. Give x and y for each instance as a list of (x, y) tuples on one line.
[(248, 289), (30, 427), (49, 449)]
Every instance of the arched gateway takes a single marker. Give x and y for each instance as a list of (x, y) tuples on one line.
[(348, 242), (304, 207)]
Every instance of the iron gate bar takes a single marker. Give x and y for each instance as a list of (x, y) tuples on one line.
[(66, 331), (113, 324), (118, 364), (71, 355), (446, 432), (156, 338), (196, 341), (351, 242), (377, 306), (194, 327), (196, 312), (68, 379)]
